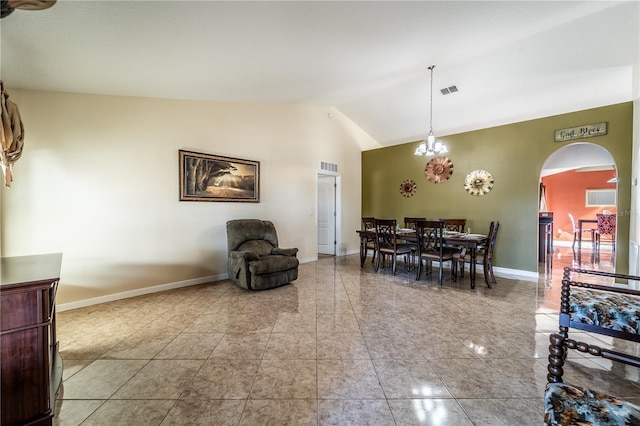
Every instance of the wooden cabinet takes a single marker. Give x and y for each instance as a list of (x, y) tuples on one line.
[(545, 235), (30, 365)]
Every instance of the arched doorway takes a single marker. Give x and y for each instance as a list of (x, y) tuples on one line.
[(579, 179)]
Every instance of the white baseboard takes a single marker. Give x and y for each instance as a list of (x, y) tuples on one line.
[(148, 290), (139, 292), (501, 272), (514, 274)]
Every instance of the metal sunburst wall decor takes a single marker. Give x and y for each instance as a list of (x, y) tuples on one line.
[(408, 188), (478, 182), (438, 169)]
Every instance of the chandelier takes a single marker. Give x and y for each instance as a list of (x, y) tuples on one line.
[(431, 146), (8, 6)]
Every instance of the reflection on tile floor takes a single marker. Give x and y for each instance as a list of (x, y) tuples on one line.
[(340, 346)]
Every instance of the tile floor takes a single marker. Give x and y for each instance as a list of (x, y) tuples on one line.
[(342, 345)]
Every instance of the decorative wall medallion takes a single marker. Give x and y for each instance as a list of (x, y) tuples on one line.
[(478, 182), (408, 188), (438, 169)]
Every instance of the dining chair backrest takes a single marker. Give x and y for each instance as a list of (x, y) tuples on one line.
[(368, 223), (606, 224), (410, 222), (456, 225), (573, 222), (386, 237), (430, 233), (491, 242)]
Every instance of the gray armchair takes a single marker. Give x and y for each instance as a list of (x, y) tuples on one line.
[(255, 260)]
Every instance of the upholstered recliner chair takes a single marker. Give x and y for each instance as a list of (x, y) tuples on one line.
[(255, 260)]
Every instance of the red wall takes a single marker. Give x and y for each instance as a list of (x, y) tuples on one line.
[(566, 194)]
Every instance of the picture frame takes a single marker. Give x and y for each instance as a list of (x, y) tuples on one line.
[(208, 177)]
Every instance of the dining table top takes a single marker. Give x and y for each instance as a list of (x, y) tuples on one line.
[(408, 233)]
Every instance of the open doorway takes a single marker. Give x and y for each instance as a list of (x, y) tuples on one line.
[(578, 182)]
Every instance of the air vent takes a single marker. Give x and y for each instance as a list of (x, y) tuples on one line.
[(330, 167), (449, 89)]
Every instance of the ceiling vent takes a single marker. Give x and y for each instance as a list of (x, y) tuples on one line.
[(330, 167), (449, 89)]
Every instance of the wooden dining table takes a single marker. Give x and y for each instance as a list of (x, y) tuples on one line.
[(457, 239)]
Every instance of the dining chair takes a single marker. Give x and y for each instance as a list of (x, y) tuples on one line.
[(369, 224), (410, 222), (456, 225), (484, 255), (576, 231), (606, 225), (388, 244), (431, 248)]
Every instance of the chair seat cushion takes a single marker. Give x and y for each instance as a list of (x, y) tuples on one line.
[(447, 253), (614, 311), (272, 263), (400, 249), (565, 404)]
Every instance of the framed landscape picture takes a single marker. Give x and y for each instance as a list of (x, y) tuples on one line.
[(206, 177)]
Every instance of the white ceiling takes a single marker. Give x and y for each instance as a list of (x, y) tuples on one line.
[(511, 60)]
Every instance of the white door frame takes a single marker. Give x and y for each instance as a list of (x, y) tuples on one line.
[(338, 215)]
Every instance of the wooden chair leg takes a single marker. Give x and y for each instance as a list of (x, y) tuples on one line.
[(493, 277), (393, 268), (486, 274)]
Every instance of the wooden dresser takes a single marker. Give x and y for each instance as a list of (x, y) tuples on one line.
[(31, 367)]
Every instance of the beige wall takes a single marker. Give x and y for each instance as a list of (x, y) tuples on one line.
[(514, 155), (98, 181)]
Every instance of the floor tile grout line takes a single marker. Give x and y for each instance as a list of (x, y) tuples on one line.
[(344, 288)]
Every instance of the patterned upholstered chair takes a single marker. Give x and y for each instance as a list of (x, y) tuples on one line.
[(606, 225), (255, 261), (605, 310)]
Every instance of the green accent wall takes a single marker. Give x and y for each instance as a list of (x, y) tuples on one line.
[(514, 155)]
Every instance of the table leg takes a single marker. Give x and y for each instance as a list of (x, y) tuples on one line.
[(363, 252), (579, 235), (472, 267)]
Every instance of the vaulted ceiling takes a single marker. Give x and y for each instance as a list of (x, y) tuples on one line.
[(510, 60)]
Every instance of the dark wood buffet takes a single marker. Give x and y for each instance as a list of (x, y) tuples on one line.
[(31, 367)]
